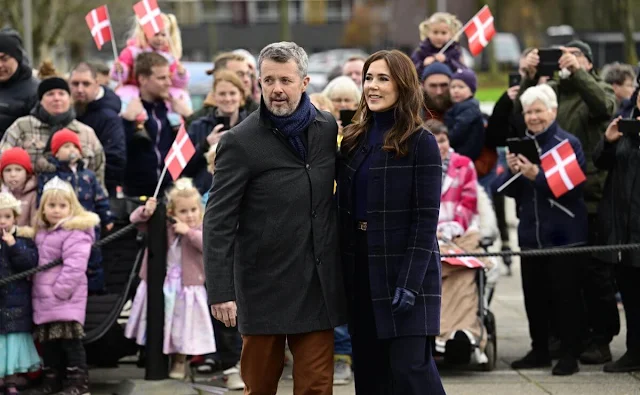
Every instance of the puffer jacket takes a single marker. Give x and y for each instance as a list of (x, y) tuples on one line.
[(466, 128), (18, 95), (15, 298), (60, 293), (543, 221)]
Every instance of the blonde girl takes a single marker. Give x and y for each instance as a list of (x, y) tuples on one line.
[(17, 254), (435, 33), (187, 327), (168, 43), (64, 230)]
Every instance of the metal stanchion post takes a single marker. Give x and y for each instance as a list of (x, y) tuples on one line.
[(157, 364)]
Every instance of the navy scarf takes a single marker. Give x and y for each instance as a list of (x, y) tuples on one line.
[(292, 126)]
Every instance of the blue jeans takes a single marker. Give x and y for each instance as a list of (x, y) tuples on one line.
[(342, 341)]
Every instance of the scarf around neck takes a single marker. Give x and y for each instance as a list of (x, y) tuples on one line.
[(292, 126), (55, 122)]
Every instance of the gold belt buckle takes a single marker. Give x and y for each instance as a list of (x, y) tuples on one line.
[(362, 225)]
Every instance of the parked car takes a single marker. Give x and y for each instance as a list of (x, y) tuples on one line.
[(321, 64)]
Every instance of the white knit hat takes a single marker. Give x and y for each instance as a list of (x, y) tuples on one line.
[(7, 200)]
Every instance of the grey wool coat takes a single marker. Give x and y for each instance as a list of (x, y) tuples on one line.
[(270, 229)]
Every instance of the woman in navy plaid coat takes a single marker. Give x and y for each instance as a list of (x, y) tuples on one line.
[(389, 181)]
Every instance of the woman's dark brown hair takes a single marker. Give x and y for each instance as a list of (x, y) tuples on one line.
[(407, 108)]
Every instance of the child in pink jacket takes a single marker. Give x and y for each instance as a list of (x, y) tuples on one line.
[(64, 230), (187, 328)]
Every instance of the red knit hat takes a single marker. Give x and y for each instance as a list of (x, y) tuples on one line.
[(63, 136), (16, 156)]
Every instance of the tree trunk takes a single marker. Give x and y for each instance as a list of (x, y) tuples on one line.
[(285, 30), (626, 16)]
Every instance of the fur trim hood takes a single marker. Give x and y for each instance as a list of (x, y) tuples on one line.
[(25, 231), (84, 221)]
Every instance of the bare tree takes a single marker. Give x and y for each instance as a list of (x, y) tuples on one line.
[(626, 17)]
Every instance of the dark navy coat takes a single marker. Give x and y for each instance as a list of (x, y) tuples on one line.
[(103, 117), (543, 220), (402, 217), (466, 128), (15, 298)]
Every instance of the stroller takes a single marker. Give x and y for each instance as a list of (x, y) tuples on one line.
[(468, 328)]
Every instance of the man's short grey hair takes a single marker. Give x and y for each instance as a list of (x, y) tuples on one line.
[(284, 51), (544, 93), (618, 73)]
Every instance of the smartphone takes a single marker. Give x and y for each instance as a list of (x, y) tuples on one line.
[(226, 121), (549, 58), (526, 147), (346, 116), (514, 79), (630, 128)]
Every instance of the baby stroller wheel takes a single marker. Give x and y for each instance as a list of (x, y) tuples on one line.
[(491, 350)]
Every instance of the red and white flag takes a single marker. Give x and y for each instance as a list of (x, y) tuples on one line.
[(100, 25), (467, 261), (182, 150), (480, 30), (149, 17), (561, 168)]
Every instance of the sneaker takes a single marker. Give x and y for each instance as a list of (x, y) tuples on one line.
[(625, 364), (207, 366), (566, 366), (51, 384), (596, 354), (342, 374), (532, 360), (233, 379)]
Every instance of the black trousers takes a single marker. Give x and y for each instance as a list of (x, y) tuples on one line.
[(399, 366), (551, 287), (629, 284), (599, 290), (64, 353)]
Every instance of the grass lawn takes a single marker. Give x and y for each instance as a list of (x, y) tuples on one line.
[(489, 94)]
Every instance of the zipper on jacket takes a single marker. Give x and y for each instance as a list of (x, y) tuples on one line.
[(535, 212)]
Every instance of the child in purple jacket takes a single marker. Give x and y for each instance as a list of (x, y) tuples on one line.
[(64, 230), (435, 33)]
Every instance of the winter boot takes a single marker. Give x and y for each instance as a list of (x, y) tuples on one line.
[(77, 382), (51, 383)]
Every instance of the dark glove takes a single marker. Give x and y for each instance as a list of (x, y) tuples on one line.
[(403, 300)]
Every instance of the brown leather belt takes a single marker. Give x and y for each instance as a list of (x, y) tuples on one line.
[(361, 225)]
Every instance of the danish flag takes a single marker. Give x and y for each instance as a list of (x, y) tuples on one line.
[(100, 25), (180, 153), (467, 261), (149, 17), (561, 168), (480, 30)]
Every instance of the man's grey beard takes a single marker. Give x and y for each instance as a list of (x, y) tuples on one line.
[(80, 107), (440, 105), (284, 111)]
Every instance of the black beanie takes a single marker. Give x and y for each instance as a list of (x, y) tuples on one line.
[(583, 47), (52, 83), (10, 45)]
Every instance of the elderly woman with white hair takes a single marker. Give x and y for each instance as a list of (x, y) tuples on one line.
[(550, 283)]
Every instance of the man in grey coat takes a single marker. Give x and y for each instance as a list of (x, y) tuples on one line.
[(270, 231)]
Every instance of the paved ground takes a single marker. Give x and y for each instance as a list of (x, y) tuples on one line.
[(513, 342)]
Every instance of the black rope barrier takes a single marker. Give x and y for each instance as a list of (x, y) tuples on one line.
[(105, 240), (548, 251)]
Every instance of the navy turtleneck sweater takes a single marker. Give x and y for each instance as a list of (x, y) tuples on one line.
[(382, 122)]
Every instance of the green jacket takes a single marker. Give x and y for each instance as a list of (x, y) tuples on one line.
[(585, 106)]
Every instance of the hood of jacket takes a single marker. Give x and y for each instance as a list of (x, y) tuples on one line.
[(84, 221)]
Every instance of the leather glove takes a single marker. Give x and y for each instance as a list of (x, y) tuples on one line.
[(403, 300)]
